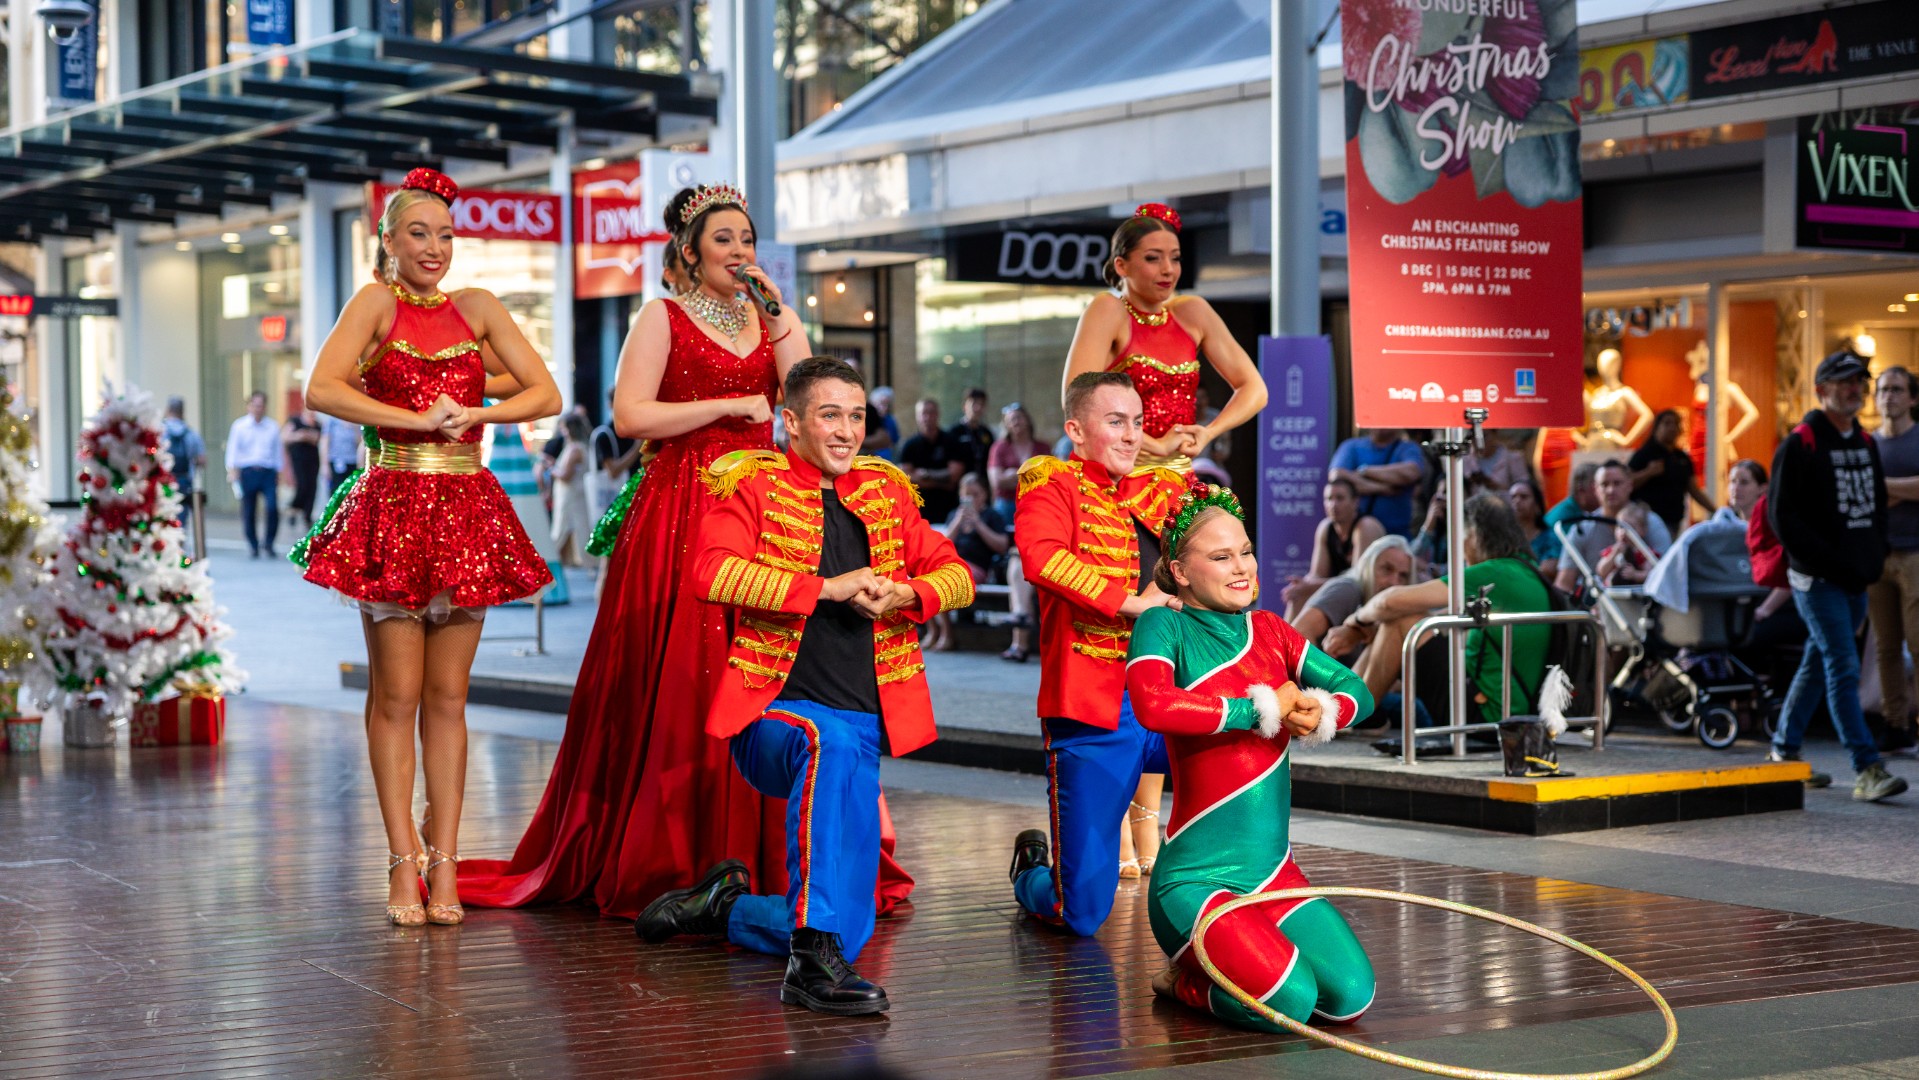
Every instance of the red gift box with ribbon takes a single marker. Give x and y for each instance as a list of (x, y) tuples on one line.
[(191, 719)]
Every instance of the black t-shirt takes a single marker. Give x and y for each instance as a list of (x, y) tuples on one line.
[(974, 443), (1148, 554), (303, 456), (835, 665), (1664, 494), (607, 445), (936, 453)]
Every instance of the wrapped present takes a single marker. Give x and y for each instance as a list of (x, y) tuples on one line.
[(23, 734), (198, 719)]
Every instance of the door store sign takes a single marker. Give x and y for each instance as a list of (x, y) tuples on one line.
[(1072, 254), (1296, 436), (1855, 183), (1805, 50), (482, 214), (1463, 212)]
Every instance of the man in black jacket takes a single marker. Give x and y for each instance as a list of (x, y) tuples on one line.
[(1828, 505)]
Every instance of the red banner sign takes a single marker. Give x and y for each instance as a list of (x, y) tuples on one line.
[(614, 229), (481, 214), (1463, 199)]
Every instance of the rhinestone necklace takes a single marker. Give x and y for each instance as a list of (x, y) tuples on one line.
[(1156, 318), (728, 319)]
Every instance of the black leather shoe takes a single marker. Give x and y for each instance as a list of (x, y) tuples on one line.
[(1029, 850), (818, 977), (700, 910)]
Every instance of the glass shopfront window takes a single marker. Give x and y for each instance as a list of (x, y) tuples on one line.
[(1010, 339), (93, 342), (250, 341)]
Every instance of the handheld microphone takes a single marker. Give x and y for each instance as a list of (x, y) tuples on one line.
[(759, 292)]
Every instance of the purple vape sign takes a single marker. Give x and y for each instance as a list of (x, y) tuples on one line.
[(1295, 447)]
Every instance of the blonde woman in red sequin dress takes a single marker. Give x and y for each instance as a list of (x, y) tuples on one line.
[(427, 540), (1144, 330), (641, 799)]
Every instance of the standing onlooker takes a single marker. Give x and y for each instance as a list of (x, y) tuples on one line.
[(1385, 468), (1016, 445), (1582, 498), (614, 458), (1526, 501), (1827, 503), (971, 433), (934, 461), (253, 462), (1662, 475), (342, 450), (572, 512), (1592, 539), (882, 431), (1892, 603), (301, 438), (189, 456)]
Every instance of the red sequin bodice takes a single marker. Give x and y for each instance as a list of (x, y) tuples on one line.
[(701, 369), (1163, 361), (430, 351)]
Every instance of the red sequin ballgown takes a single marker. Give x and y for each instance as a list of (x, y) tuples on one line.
[(1163, 362), (427, 528), (641, 799)]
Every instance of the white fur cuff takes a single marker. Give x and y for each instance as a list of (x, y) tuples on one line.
[(1266, 704), (1328, 717)]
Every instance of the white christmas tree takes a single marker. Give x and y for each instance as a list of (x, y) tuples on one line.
[(28, 539), (126, 615)]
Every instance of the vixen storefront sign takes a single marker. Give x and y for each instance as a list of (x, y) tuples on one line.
[(1804, 50), (482, 214), (1856, 188), (1463, 211)]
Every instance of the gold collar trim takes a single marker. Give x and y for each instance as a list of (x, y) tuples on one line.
[(407, 296)]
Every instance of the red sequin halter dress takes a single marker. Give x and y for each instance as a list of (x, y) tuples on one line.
[(1163, 361), (427, 529), (641, 799)]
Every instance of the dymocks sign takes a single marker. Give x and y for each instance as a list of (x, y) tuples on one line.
[(482, 214), (1463, 211)]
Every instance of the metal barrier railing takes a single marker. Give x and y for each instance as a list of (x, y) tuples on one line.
[(1408, 661)]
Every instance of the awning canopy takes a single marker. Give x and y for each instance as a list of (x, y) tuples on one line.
[(347, 108)]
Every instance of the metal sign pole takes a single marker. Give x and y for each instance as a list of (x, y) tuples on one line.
[(1454, 449)]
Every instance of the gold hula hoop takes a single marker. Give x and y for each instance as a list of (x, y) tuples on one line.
[(1437, 1068)]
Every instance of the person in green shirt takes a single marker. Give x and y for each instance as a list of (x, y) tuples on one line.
[(1497, 555)]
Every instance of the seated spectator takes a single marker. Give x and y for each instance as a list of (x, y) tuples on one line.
[(1624, 562), (982, 538), (1342, 534), (1591, 539), (1429, 544), (1719, 566), (1210, 465), (1387, 562), (1581, 499), (1022, 599), (1528, 504), (1500, 466), (1498, 555), (1013, 448)]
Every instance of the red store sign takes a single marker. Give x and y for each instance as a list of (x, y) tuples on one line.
[(614, 228), (482, 214)]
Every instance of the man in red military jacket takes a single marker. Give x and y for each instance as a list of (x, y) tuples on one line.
[(826, 566), (1080, 524)]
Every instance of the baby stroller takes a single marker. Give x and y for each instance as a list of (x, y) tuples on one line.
[(1679, 659)]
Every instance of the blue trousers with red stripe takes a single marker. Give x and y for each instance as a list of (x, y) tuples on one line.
[(1091, 775), (826, 764)]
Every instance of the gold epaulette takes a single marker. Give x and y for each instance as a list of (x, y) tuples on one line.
[(729, 471), (893, 473), (1162, 474), (1038, 470)]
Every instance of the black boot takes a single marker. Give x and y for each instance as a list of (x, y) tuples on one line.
[(700, 910), (818, 977), (1029, 850)]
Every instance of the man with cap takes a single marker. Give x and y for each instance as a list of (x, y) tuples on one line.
[(1828, 504)]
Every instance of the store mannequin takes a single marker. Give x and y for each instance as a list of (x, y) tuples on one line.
[(1741, 413), (1608, 406)]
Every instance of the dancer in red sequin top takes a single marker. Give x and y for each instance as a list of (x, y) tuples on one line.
[(427, 540), (1156, 338)]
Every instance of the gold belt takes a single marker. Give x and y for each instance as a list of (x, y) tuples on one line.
[(1179, 463), (448, 459)]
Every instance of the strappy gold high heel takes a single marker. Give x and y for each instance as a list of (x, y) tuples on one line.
[(1145, 861), (404, 914), (443, 914)]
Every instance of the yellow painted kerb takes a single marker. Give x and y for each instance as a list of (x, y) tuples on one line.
[(1552, 789)]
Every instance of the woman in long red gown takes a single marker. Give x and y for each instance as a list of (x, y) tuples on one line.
[(641, 799)]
